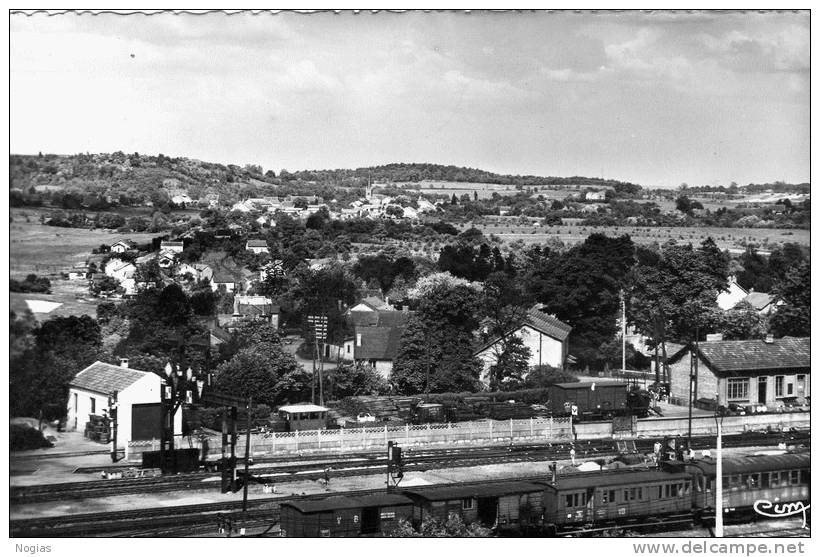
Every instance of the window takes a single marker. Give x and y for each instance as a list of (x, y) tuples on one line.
[(576, 500), (660, 492), (775, 481), (348, 348), (790, 389), (604, 497), (93, 405), (764, 480), (806, 476), (611, 495), (467, 503), (569, 501), (778, 385), (794, 477), (737, 388)]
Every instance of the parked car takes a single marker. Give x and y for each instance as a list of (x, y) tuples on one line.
[(365, 417)]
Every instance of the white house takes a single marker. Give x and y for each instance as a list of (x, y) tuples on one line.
[(375, 347), (595, 196), (79, 271), (119, 269), (257, 246), (224, 280), (545, 336), (122, 246), (138, 401), (729, 299), (166, 258), (174, 246), (199, 271), (181, 198)]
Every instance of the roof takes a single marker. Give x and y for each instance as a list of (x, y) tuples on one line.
[(302, 408), (547, 324), (540, 321), (588, 385), (728, 356), (127, 243), (104, 378), (257, 309), (449, 493), (257, 244), (617, 476), (342, 502), (378, 343), (222, 276), (374, 302), (174, 243), (379, 318), (758, 463), (758, 300)]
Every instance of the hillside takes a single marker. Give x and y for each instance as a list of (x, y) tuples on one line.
[(134, 179)]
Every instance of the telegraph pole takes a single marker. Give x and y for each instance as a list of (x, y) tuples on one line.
[(112, 412), (623, 331), (247, 457)]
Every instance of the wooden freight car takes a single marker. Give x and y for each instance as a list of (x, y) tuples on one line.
[(616, 496), (506, 505), (591, 399), (340, 517)]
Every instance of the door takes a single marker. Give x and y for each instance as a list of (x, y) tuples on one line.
[(761, 389), (75, 410), (370, 520), (146, 421), (487, 510)]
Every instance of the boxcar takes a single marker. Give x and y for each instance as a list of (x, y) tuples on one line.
[(505, 505), (616, 495), (341, 516), (593, 399)]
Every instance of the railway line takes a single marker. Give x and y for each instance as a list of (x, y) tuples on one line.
[(363, 464)]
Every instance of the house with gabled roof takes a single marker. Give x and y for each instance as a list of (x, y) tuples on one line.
[(122, 246), (138, 400), (171, 245), (370, 303), (257, 246), (375, 347), (222, 279), (762, 302), (545, 335), (732, 296), (769, 372)]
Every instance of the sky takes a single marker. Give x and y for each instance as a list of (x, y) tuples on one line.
[(656, 98)]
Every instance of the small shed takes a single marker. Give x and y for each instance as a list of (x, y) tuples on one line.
[(139, 411), (304, 416)]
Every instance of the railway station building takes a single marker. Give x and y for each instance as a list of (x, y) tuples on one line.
[(773, 373)]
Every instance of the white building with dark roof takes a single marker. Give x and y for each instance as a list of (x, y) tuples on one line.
[(546, 336), (139, 414)]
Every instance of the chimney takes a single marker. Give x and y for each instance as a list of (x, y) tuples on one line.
[(769, 339), (124, 362), (358, 339)]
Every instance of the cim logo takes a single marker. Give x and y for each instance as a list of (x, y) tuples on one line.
[(777, 510)]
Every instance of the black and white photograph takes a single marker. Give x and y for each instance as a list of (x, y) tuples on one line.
[(410, 274)]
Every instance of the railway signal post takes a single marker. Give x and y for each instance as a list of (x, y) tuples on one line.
[(395, 465)]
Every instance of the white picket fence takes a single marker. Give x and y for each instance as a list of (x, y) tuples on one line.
[(340, 440)]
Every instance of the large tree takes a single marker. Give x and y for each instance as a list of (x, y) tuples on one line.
[(438, 343), (673, 293), (265, 372), (582, 288), (793, 317)]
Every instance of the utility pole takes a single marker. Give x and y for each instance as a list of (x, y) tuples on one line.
[(623, 331), (719, 471), (246, 478)]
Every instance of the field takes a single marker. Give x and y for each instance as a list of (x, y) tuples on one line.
[(48, 250), (725, 238), (73, 295), (484, 190)]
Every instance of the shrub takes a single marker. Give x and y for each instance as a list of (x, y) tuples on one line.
[(23, 438)]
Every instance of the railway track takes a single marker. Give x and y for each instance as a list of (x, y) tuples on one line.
[(361, 464)]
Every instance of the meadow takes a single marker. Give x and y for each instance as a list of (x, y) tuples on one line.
[(49, 250)]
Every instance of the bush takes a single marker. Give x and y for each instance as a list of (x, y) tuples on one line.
[(23, 438)]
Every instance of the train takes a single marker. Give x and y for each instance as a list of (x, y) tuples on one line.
[(565, 504), (591, 400)]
